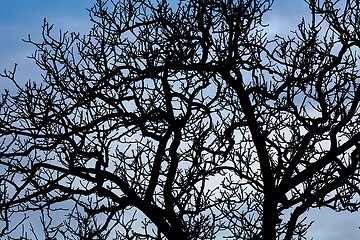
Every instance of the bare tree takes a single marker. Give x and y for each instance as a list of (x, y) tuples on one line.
[(184, 121)]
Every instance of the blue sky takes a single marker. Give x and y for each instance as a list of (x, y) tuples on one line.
[(18, 18)]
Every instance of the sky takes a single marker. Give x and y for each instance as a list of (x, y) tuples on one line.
[(19, 18)]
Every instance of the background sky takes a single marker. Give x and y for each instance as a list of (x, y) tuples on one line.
[(19, 18)]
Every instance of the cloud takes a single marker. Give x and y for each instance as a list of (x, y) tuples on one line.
[(284, 17), (331, 225), (20, 18)]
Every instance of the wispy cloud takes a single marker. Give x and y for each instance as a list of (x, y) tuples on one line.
[(22, 17)]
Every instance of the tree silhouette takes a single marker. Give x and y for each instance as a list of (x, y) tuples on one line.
[(184, 121)]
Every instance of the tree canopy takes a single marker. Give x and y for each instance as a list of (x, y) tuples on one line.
[(184, 120)]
